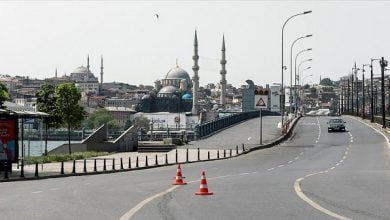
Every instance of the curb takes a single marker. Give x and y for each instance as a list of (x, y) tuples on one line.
[(258, 147)]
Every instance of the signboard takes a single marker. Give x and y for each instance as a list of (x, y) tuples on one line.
[(261, 101), (8, 138)]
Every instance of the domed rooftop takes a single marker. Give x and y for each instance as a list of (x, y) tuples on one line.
[(177, 73), (81, 69), (187, 96), (168, 89)]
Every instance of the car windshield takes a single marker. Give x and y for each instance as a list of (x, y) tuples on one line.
[(336, 120)]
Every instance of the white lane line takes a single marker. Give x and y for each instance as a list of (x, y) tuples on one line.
[(254, 172), (296, 158), (281, 165), (378, 131), (351, 140), (52, 189), (301, 153), (301, 195), (249, 138), (344, 157), (290, 161), (332, 168), (36, 192), (346, 152), (341, 161), (271, 169), (337, 164)]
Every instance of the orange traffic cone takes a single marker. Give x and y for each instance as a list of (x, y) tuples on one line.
[(203, 190), (178, 178)]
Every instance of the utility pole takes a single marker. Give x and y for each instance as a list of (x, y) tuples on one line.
[(352, 110), (348, 90), (342, 100), (383, 64)]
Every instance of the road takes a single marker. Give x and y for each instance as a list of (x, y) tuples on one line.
[(247, 132), (314, 175)]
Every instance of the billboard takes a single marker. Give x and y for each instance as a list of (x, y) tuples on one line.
[(8, 138)]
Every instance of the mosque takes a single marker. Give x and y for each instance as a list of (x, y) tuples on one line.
[(177, 92)]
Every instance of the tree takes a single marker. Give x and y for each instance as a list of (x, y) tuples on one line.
[(68, 107), (313, 90), (306, 86), (326, 82), (141, 122), (46, 102), (3, 94), (100, 117)]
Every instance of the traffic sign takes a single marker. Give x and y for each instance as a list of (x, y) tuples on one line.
[(261, 101)]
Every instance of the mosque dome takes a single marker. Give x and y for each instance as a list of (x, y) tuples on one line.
[(187, 96), (145, 97), (81, 69), (177, 73), (168, 90)]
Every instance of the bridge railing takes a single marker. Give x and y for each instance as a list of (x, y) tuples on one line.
[(210, 127)]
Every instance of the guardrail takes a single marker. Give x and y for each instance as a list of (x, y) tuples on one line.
[(208, 128)]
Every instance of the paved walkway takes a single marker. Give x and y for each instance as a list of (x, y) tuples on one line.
[(247, 133)]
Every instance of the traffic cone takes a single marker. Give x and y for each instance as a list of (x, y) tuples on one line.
[(179, 177), (203, 190)]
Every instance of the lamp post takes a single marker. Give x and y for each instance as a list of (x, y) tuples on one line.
[(354, 71), (383, 64), (299, 66), (372, 90), (284, 24), (364, 98), (296, 57), (291, 71)]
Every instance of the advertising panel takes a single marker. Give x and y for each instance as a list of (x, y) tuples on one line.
[(8, 139)]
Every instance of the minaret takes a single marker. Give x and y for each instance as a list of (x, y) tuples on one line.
[(101, 71), (88, 63), (195, 78), (223, 73), (56, 73)]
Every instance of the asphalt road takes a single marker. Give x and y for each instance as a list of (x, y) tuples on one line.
[(315, 175), (247, 132)]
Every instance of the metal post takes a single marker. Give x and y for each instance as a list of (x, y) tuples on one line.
[(357, 96), (156, 161), (104, 164), (217, 154), (74, 166), (224, 153), (187, 154), (146, 161), (62, 167), (383, 63), (166, 158), (121, 163), (176, 157), (348, 93), (129, 163), (136, 162), (94, 165), (208, 155), (372, 94), (22, 169), (85, 165), (36, 169), (364, 98), (230, 152), (261, 128), (352, 110), (113, 163), (6, 170), (198, 154)]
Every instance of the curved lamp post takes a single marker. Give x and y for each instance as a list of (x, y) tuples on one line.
[(296, 57), (299, 66), (284, 24)]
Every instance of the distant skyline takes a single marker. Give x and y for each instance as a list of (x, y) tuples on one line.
[(140, 47)]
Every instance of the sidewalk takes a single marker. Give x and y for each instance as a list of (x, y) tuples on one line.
[(114, 164)]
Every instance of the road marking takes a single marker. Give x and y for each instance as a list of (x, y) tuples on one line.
[(337, 164), (271, 169), (281, 165), (36, 192), (344, 157), (351, 140), (341, 161), (378, 131), (301, 153), (301, 195), (249, 138), (332, 168), (54, 189), (346, 152), (290, 161)]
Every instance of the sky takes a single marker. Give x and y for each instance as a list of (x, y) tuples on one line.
[(36, 37)]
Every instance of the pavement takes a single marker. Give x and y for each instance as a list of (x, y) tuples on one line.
[(221, 143), (314, 175)]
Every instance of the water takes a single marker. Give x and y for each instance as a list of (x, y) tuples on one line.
[(37, 148)]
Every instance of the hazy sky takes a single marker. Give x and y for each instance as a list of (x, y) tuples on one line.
[(138, 48)]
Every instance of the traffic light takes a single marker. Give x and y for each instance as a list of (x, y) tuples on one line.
[(261, 92)]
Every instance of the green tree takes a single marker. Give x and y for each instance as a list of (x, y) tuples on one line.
[(313, 90), (326, 82), (100, 117), (46, 102), (3, 95), (68, 107), (141, 122), (306, 86)]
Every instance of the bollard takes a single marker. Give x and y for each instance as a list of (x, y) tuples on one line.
[(94, 165), (113, 163), (146, 161), (22, 169), (36, 169), (224, 153), (187, 154), (236, 149), (104, 164), (198, 154), (217, 154), (156, 162), (74, 166), (166, 158), (6, 170), (230, 152), (208, 155), (136, 162), (176, 157), (85, 165), (243, 148), (62, 167), (129, 162), (121, 163)]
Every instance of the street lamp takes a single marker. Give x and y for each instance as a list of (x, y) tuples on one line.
[(364, 98), (383, 64), (291, 71), (296, 57), (299, 66), (284, 24), (354, 71), (372, 90)]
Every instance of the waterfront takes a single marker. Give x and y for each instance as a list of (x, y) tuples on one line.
[(37, 148)]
